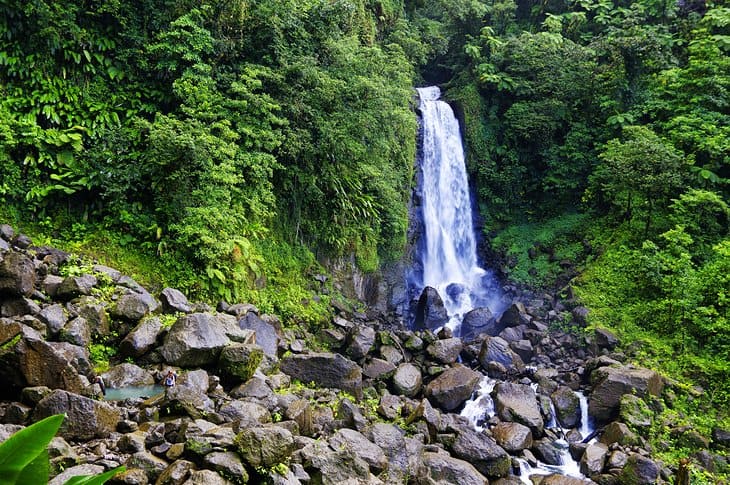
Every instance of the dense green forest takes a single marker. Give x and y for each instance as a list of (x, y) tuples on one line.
[(237, 143)]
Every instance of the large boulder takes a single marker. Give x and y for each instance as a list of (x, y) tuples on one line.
[(594, 458), (328, 466), (360, 341), (74, 286), (324, 369), (77, 332), (430, 311), (266, 335), (407, 380), (240, 361), (513, 437), (357, 444), (17, 275), (496, 349), (391, 440), (445, 351), (195, 340), (483, 452), (55, 317), (86, 418), (518, 403), (513, 315), (479, 321), (28, 360), (126, 375), (142, 338), (95, 314), (454, 386), (265, 446), (639, 470), (133, 306), (567, 407), (174, 301), (443, 468), (611, 383)]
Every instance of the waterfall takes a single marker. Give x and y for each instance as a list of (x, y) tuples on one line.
[(448, 254)]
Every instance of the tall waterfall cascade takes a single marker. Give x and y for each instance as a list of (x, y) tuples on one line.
[(448, 255)]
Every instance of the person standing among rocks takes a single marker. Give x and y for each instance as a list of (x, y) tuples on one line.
[(170, 379)]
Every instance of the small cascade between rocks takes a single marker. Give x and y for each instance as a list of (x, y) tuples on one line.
[(480, 408), (446, 255)]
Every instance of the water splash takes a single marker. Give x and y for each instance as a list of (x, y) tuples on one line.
[(481, 406), (448, 256)]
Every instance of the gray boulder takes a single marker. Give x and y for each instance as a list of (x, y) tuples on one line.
[(19, 306), (228, 465), (54, 316), (443, 468), (378, 369), (616, 432), (547, 451), (266, 335), (142, 338), (513, 315), (360, 342), (635, 412), (174, 301), (430, 311), (357, 444), (205, 477), (483, 452), (28, 360), (75, 286), (85, 418), (152, 465), (407, 380), (479, 321), (327, 466), (445, 351), (240, 361), (75, 471), (391, 439), (126, 375), (132, 306), (611, 383), (325, 370), (567, 407), (496, 349), (594, 458), (454, 386), (639, 470), (265, 445), (518, 403), (77, 332), (513, 437), (94, 312), (17, 275), (246, 413), (194, 340)]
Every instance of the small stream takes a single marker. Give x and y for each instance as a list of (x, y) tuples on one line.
[(480, 409)]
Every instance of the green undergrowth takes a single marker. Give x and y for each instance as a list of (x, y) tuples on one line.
[(285, 285), (535, 250), (655, 296)]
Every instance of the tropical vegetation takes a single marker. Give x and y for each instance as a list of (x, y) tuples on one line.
[(231, 147)]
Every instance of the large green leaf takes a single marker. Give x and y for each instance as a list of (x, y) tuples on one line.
[(94, 479), (24, 447)]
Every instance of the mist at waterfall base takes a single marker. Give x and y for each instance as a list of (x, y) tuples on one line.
[(446, 256)]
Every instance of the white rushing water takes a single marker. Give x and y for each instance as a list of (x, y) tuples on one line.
[(481, 407), (449, 256)]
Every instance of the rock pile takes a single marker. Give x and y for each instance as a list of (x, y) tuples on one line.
[(253, 403)]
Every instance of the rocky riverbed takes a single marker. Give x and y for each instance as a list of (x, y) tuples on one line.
[(360, 401)]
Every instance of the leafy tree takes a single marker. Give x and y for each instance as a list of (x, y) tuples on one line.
[(640, 172)]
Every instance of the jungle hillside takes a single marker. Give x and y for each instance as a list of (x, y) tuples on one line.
[(228, 148)]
